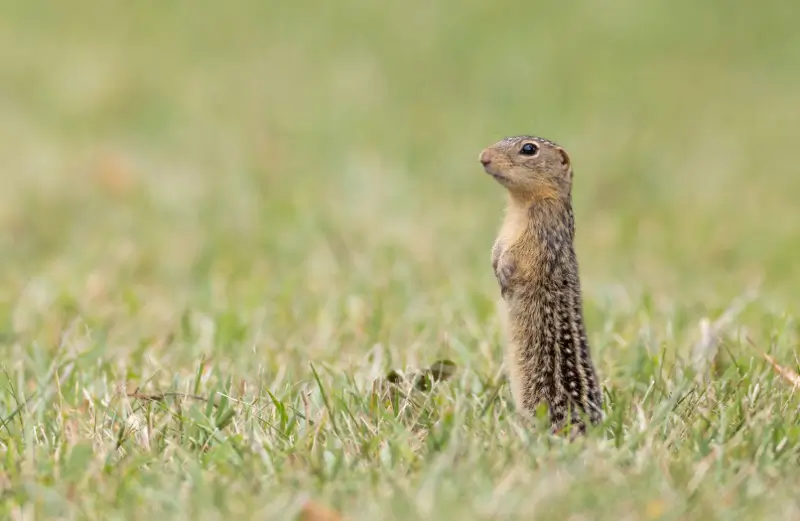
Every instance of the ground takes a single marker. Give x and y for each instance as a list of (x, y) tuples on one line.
[(269, 205)]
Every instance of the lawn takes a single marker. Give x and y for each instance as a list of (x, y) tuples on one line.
[(220, 223)]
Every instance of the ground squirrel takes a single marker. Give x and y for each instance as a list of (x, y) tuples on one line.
[(534, 261)]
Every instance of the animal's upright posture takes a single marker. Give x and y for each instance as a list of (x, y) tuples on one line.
[(535, 264)]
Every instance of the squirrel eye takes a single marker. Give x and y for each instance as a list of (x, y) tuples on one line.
[(529, 149)]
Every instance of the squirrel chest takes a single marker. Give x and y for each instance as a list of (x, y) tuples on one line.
[(522, 253)]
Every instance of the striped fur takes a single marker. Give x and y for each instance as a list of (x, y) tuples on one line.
[(548, 355)]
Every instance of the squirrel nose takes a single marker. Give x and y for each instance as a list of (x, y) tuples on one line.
[(485, 158)]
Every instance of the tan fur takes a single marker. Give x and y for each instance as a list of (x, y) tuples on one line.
[(534, 261)]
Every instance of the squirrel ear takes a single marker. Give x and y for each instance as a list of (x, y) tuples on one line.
[(565, 161)]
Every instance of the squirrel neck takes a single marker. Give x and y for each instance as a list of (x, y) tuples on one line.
[(549, 215)]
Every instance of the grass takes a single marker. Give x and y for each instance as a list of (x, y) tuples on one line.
[(271, 205)]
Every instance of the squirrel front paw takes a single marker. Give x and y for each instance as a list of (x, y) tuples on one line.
[(505, 273)]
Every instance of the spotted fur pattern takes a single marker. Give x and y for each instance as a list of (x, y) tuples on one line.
[(537, 271)]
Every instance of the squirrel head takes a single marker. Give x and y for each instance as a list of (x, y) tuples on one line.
[(529, 167)]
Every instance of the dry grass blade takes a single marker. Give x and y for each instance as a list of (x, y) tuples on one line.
[(705, 350), (787, 374), (160, 397)]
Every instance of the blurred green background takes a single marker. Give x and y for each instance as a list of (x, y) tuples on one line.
[(298, 182)]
